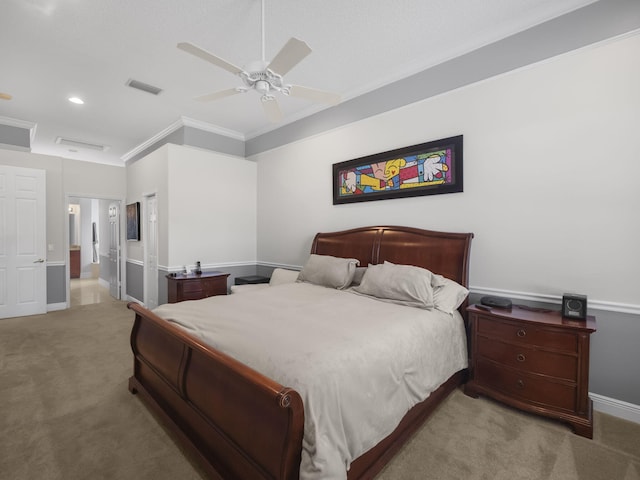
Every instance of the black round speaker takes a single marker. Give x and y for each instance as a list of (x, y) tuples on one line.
[(574, 306)]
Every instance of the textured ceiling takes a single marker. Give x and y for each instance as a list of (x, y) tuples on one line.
[(54, 49)]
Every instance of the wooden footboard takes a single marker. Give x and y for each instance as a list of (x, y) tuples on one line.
[(240, 423)]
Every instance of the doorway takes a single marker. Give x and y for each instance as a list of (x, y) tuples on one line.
[(94, 250)]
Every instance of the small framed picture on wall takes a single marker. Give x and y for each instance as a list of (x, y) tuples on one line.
[(133, 221)]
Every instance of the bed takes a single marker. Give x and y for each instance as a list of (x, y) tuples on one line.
[(242, 424)]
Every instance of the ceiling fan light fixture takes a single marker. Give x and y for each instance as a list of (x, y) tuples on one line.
[(265, 77), (262, 86)]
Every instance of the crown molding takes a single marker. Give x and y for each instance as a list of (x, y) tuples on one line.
[(151, 141), (208, 127), (180, 123), (14, 122)]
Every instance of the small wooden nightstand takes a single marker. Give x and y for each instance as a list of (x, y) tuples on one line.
[(535, 361), (196, 286)]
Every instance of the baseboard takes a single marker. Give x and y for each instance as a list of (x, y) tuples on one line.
[(133, 299), (52, 307), (617, 408), (104, 283)]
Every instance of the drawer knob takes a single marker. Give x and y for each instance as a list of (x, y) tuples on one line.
[(521, 333), (520, 383), (520, 357)]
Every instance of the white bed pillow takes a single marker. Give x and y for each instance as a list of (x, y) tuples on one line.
[(449, 295), (328, 271), (282, 275), (403, 284)]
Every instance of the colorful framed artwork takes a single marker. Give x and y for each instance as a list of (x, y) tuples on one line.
[(133, 221), (426, 169)]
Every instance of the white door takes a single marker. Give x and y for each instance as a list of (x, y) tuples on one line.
[(23, 237), (114, 250), (151, 252)]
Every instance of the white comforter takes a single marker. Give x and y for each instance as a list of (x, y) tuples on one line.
[(358, 363)]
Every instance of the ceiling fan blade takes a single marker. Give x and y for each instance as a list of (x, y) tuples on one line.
[(217, 95), (209, 57), (314, 95), (293, 52), (272, 109)]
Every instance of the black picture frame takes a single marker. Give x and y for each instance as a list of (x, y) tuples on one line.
[(133, 221), (429, 168)]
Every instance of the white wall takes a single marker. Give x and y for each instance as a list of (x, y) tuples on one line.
[(206, 206), (212, 208), (551, 173), (93, 180)]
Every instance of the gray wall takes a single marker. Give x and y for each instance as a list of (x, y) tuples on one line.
[(135, 281), (615, 366), (17, 136), (56, 284), (105, 268)]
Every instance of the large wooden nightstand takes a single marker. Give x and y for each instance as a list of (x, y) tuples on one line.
[(535, 361), (196, 286)]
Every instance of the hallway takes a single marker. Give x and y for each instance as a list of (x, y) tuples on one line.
[(88, 291)]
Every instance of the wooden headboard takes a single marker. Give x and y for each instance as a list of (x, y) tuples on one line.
[(440, 252)]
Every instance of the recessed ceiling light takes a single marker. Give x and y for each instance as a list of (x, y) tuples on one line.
[(76, 100), (5, 96)]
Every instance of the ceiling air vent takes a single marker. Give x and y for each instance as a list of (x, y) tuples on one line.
[(80, 144), (145, 87)]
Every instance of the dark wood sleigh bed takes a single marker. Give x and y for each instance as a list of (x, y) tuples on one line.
[(242, 425)]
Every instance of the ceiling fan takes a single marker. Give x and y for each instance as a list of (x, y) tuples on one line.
[(265, 78)]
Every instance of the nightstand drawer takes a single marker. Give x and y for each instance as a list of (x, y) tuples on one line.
[(527, 334), (191, 287), (530, 359), (527, 387), (197, 295)]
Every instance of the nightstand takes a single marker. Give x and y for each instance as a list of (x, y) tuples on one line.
[(196, 286), (534, 361)]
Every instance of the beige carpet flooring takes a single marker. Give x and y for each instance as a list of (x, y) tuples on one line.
[(66, 414)]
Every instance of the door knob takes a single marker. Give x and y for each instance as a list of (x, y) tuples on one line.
[(40, 260)]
